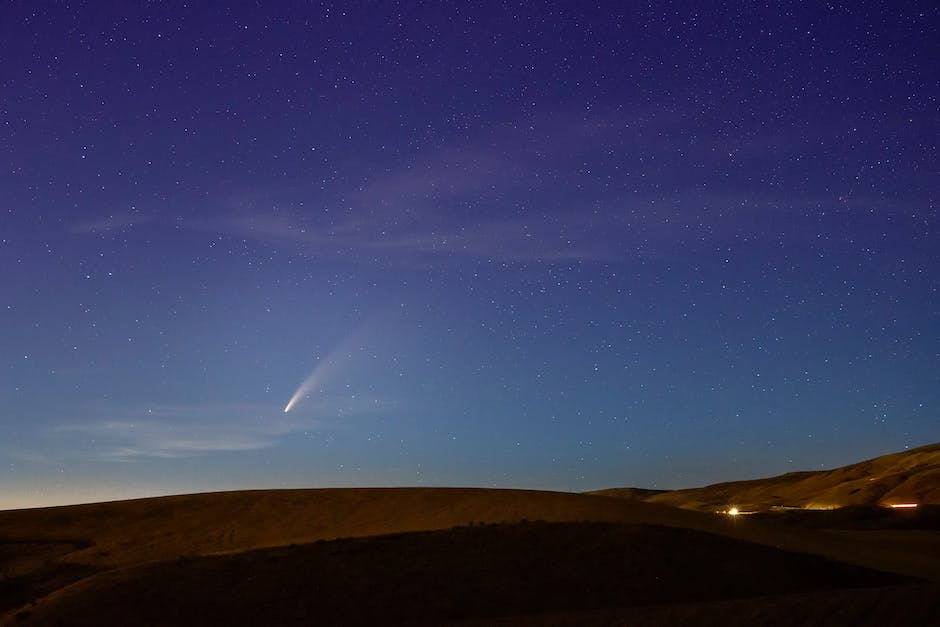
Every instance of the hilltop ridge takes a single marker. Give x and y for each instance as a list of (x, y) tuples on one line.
[(908, 477)]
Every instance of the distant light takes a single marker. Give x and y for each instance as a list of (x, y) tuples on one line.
[(733, 511), (904, 505)]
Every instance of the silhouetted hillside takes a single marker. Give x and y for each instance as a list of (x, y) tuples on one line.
[(908, 477)]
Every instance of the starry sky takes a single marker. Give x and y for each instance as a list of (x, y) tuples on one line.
[(552, 245)]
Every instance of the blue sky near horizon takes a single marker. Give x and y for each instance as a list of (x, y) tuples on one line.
[(543, 245)]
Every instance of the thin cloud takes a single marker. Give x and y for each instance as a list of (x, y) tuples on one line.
[(505, 196), (514, 239), (493, 198), (112, 222), (171, 431)]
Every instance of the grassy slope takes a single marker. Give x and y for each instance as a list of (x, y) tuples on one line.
[(463, 573), (910, 476), (131, 532), (125, 533), (44, 549)]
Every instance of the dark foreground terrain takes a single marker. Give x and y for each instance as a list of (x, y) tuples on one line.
[(431, 556), (523, 573)]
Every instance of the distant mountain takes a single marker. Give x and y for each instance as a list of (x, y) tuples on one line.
[(908, 477)]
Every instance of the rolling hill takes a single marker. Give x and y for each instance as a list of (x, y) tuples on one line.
[(478, 556), (908, 477)]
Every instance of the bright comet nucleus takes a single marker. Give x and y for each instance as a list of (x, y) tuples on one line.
[(296, 397)]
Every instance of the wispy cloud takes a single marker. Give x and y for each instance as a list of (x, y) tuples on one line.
[(27, 457), (495, 197), (557, 188), (497, 239), (168, 431), (111, 222)]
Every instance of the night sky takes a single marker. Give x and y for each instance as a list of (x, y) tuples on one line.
[(539, 245)]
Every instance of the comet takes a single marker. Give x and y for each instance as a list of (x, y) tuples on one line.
[(316, 378), (325, 368)]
